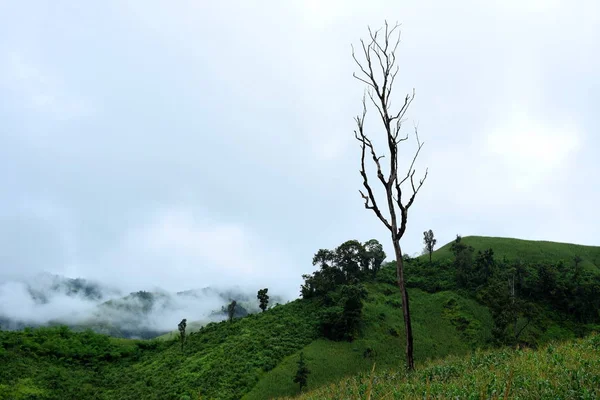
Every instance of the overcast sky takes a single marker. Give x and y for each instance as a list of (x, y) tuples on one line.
[(189, 143)]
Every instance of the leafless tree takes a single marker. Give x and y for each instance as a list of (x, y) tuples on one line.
[(378, 71)]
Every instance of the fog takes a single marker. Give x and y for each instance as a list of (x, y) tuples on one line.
[(46, 299), (149, 145)]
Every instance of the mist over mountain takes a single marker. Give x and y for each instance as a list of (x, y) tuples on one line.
[(47, 299)]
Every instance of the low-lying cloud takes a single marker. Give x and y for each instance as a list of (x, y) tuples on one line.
[(50, 300)]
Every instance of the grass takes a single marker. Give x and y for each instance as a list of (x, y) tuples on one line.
[(569, 370), (436, 330), (527, 250)]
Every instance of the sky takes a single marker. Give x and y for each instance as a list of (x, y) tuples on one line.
[(194, 143)]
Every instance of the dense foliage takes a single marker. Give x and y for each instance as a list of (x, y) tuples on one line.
[(528, 300), (337, 285)]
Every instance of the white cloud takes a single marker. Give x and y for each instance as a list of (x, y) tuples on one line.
[(223, 246), (41, 90), (180, 248), (531, 151)]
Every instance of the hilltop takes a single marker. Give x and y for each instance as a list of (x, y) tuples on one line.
[(532, 251)]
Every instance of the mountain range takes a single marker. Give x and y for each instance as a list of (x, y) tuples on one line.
[(48, 299)]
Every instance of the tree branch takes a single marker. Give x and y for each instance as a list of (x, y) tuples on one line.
[(370, 202), (382, 47)]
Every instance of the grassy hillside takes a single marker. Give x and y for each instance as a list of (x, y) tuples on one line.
[(226, 360), (255, 357), (526, 250), (222, 360), (443, 323), (569, 370)]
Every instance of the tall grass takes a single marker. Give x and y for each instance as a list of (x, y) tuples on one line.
[(569, 370)]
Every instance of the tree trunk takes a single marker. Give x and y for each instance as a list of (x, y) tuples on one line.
[(410, 362), (430, 256)]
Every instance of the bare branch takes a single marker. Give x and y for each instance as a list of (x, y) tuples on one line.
[(370, 202), (407, 101), (381, 114), (362, 80)]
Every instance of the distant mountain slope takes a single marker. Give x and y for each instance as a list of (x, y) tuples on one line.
[(527, 250), (50, 300)]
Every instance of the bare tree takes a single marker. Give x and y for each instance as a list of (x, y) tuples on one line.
[(378, 71)]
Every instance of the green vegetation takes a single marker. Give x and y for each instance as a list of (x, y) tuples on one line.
[(349, 319), (302, 373), (193, 326), (381, 339), (222, 360), (531, 251), (568, 370)]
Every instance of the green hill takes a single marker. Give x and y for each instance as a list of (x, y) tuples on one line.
[(527, 250), (460, 303)]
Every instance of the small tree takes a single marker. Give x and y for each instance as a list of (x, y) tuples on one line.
[(375, 255), (302, 372), (430, 242), (231, 310), (182, 325), (463, 261), (578, 270), (263, 298)]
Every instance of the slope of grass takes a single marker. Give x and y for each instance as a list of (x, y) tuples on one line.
[(222, 360), (570, 370), (443, 323), (527, 250)]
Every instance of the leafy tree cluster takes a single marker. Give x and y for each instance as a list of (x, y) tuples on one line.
[(337, 284), (348, 264), (341, 316)]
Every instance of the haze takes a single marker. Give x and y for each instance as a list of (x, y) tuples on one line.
[(189, 144)]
